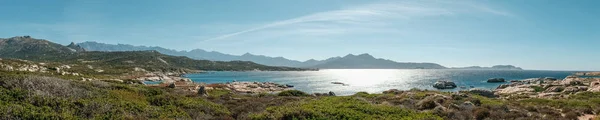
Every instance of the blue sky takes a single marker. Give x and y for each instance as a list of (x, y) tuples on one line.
[(533, 34)]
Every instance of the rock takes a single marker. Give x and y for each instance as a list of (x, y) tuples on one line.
[(502, 86), (432, 101), (253, 86), (202, 91), (172, 85), (467, 105), (392, 91), (496, 80), (331, 93), (571, 82), (288, 85), (594, 86), (555, 89), (516, 89), (550, 79), (575, 89), (444, 85)]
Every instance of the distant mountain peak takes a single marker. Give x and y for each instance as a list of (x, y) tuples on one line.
[(366, 55), (76, 47), (248, 54), (362, 56)]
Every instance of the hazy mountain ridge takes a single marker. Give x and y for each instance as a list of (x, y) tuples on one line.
[(495, 67), (39, 50), (196, 54), (362, 61), (369, 62)]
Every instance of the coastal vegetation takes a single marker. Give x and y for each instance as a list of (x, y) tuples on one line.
[(24, 95), (42, 80)]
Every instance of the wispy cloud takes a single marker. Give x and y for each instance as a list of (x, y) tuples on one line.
[(370, 15)]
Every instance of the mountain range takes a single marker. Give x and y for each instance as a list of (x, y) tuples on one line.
[(40, 50), (350, 61)]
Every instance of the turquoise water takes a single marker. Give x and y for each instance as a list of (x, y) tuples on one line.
[(374, 80)]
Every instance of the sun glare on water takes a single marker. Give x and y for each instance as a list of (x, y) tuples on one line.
[(363, 77)]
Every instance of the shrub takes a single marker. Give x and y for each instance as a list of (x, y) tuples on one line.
[(538, 88), (292, 93), (340, 108), (481, 113), (572, 115)]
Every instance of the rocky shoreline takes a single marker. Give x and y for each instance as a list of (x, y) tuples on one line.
[(548, 88)]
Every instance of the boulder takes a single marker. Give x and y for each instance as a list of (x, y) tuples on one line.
[(444, 85), (482, 92), (496, 80), (331, 93), (575, 89), (172, 85), (594, 86), (202, 91), (569, 81), (555, 89)]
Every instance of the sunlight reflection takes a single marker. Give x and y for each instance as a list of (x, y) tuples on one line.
[(362, 77)]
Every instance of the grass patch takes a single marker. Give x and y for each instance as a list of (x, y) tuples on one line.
[(340, 108), (218, 92), (489, 101)]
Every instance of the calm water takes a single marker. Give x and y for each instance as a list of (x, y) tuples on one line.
[(374, 80)]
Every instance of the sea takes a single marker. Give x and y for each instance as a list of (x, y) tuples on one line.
[(374, 80)]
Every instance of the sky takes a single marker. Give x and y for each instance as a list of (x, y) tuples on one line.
[(533, 34)]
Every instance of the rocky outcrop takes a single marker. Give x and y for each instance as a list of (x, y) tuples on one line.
[(575, 89), (256, 87), (444, 85), (165, 77), (570, 81), (588, 74), (594, 86), (496, 80), (515, 89)]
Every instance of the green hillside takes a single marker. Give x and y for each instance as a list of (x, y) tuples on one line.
[(40, 50)]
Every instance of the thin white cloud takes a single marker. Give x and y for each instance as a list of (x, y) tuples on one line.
[(361, 14), (367, 15)]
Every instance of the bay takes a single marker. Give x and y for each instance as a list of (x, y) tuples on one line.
[(374, 80)]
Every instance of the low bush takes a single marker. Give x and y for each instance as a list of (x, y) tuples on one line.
[(292, 93), (340, 108)]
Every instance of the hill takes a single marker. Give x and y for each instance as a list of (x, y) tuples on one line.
[(197, 54), (40, 50), (366, 61)]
